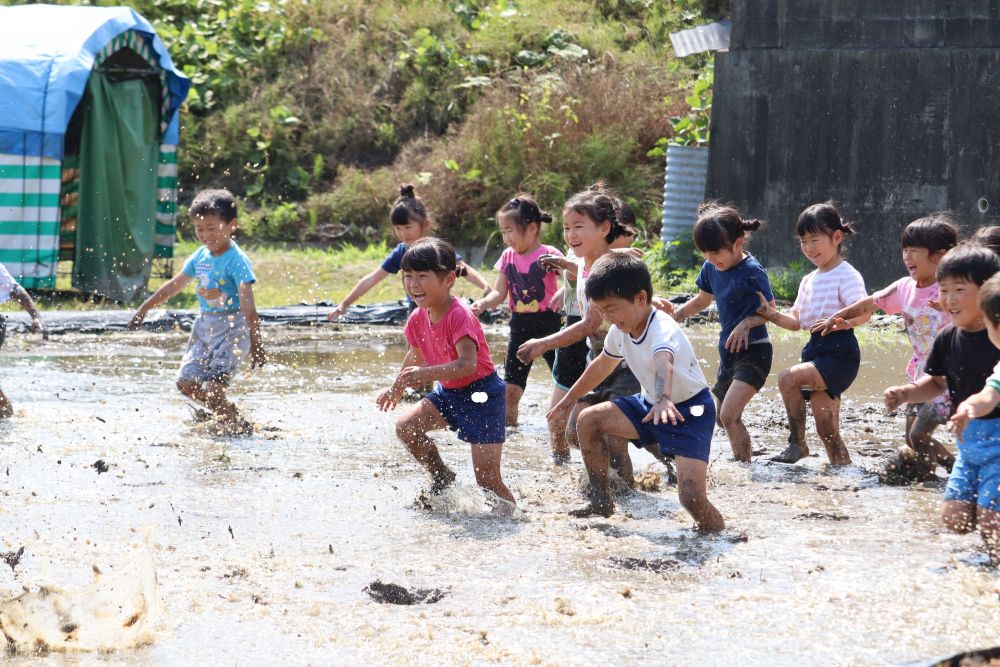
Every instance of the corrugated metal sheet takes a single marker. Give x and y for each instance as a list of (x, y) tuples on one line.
[(683, 190), (711, 37)]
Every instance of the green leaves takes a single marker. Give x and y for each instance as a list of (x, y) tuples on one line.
[(693, 128)]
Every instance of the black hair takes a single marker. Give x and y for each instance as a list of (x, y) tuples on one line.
[(430, 254), (988, 237), (626, 216), (618, 274), (935, 232), (600, 206), (408, 205), (989, 299), (822, 219), (221, 203), (968, 261), (719, 226), (524, 210)]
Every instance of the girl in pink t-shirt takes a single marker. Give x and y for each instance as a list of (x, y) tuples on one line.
[(925, 242), (447, 346), (528, 288)]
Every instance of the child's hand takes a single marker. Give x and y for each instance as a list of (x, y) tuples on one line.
[(336, 313), (412, 376), (560, 411), (894, 397), (829, 325), (663, 411), (936, 305), (258, 357), (136, 321), (556, 302), (389, 399), (635, 252), (37, 327), (660, 303), (765, 309), (478, 307), (739, 338), (530, 350), (963, 413), (552, 262)]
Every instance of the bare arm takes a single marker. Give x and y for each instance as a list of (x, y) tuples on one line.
[(475, 277), (360, 289), (769, 311), (693, 306), (596, 372), (389, 398), (461, 367), (921, 391), (663, 410), (848, 317), (248, 306), (167, 291), (536, 347), (494, 298), (975, 406), (21, 295)]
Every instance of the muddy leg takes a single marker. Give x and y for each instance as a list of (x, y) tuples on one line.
[(593, 424), (791, 381), (691, 490), (557, 431), (989, 528), (215, 399), (826, 412), (486, 464), (6, 409), (514, 394), (620, 459), (572, 434), (412, 429), (731, 418), (193, 391), (959, 516)]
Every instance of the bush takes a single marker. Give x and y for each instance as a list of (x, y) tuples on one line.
[(785, 279)]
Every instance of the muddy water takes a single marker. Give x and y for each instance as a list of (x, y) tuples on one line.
[(264, 544)]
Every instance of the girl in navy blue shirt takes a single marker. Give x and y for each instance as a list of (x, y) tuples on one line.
[(732, 277)]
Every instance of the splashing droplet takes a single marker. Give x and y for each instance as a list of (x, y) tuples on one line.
[(480, 397)]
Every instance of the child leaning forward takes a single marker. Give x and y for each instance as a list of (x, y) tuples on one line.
[(227, 328), (674, 410), (447, 345)]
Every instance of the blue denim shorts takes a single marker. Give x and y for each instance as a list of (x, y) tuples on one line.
[(217, 346), (691, 438), (478, 423), (975, 478)]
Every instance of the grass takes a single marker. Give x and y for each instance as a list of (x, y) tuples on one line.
[(286, 275)]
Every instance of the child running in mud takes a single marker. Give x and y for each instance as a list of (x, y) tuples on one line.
[(733, 278), (528, 287), (447, 346), (410, 222), (829, 363), (915, 296), (11, 290), (590, 223), (673, 410), (227, 328), (960, 363)]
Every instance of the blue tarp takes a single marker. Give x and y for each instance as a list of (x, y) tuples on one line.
[(46, 56)]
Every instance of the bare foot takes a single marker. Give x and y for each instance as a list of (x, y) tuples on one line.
[(442, 480), (794, 452), (560, 458), (594, 509)]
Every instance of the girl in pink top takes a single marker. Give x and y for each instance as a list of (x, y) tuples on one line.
[(447, 345), (829, 363), (925, 242), (527, 286)]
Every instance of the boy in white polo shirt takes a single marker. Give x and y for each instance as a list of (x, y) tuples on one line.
[(674, 410)]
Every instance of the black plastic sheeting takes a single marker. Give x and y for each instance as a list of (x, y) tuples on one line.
[(100, 321)]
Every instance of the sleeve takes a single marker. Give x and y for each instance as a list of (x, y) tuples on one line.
[(613, 343), (241, 270), (937, 359), (462, 323), (663, 336), (408, 329), (761, 282), (702, 281), (503, 261), (393, 262), (853, 289), (7, 284), (188, 268), (800, 295), (888, 298)]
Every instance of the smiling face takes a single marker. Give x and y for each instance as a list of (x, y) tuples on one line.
[(628, 315), (960, 299), (586, 237), (520, 239), (412, 231), (213, 232), (823, 250), (726, 258), (921, 264), (428, 289)]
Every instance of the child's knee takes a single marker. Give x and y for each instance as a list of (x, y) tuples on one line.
[(787, 380), (588, 422), (957, 521), (690, 494), (186, 387), (729, 417), (406, 428)]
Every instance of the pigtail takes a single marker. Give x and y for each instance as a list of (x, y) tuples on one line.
[(751, 225)]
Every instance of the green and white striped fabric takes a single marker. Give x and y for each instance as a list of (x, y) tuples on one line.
[(29, 218), (166, 201)]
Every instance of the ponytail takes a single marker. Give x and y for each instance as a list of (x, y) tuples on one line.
[(719, 226)]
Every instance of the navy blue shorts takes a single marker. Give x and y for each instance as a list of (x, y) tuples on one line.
[(571, 360), (691, 438), (751, 365), (837, 357), (478, 423)]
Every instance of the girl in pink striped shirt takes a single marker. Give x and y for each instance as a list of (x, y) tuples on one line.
[(829, 363)]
